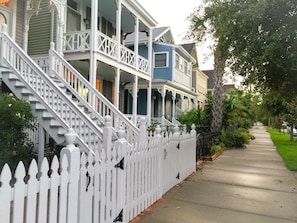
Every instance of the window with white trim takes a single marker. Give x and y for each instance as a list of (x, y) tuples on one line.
[(161, 59), (186, 68), (176, 61)]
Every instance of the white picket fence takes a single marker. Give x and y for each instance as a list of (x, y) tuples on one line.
[(114, 185)]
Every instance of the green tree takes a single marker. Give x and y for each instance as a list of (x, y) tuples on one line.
[(255, 38), (291, 115), (273, 108)]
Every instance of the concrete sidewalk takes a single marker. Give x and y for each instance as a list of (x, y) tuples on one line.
[(240, 186)]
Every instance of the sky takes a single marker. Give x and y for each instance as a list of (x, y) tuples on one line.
[(174, 14)]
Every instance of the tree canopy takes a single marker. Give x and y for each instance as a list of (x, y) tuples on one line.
[(255, 38)]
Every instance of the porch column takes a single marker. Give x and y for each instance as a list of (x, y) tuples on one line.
[(135, 91), (149, 102), (25, 39), (136, 40), (182, 97), (150, 52), (118, 28), (149, 89), (61, 7), (93, 60), (117, 92), (195, 103), (173, 105), (162, 91), (189, 103)]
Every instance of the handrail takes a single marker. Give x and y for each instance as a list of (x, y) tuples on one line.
[(49, 94), (80, 41), (88, 95)]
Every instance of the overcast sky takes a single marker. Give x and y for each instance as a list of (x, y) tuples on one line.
[(174, 14)]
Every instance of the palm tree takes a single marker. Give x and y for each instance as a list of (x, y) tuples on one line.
[(217, 113)]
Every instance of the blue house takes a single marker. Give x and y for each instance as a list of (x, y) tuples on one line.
[(172, 92)]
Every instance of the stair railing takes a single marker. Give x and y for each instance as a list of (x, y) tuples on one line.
[(50, 95), (89, 95)]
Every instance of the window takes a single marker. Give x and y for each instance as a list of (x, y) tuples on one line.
[(176, 61), (160, 59), (189, 70), (186, 67), (181, 65)]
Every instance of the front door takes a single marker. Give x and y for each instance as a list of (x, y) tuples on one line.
[(5, 16)]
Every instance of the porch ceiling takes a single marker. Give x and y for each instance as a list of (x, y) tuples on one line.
[(104, 71), (108, 8)]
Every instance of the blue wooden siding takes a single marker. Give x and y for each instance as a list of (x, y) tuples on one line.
[(164, 73), (143, 51)]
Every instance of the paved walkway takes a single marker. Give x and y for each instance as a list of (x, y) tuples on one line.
[(240, 186)]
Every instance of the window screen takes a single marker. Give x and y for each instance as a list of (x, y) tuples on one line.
[(160, 60)]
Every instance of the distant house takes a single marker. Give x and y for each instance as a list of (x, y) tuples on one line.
[(199, 79), (172, 87), (210, 80)]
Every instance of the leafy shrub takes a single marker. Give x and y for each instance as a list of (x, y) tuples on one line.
[(194, 116), (15, 119), (215, 149), (235, 138)]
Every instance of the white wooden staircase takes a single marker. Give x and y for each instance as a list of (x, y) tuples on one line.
[(55, 98)]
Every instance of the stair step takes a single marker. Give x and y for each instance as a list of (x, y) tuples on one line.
[(61, 132), (32, 99), (46, 115), (54, 123), (39, 107), (26, 92), (19, 84), (11, 76)]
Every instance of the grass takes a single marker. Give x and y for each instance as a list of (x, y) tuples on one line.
[(286, 148)]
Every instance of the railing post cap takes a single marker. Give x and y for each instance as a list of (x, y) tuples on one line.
[(121, 132), (108, 121), (52, 45), (70, 136), (158, 130)]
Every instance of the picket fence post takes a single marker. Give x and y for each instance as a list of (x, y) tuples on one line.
[(160, 179), (73, 155), (121, 145)]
